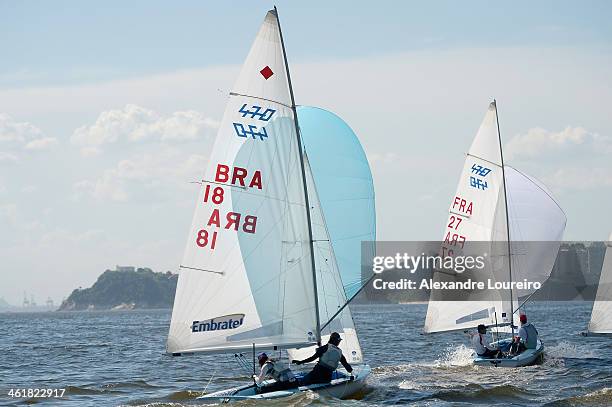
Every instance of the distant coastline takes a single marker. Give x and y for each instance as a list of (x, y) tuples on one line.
[(125, 288)]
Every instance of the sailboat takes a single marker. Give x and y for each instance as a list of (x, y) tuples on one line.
[(601, 315), (512, 217), (259, 268)]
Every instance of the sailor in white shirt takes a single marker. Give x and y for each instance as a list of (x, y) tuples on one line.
[(481, 345), (271, 369)]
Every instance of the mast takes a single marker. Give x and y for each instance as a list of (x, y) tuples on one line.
[(501, 154), (299, 141)]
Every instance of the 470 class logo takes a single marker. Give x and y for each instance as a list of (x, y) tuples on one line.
[(481, 171), (251, 130)]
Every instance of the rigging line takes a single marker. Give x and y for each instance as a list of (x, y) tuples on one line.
[(211, 378), (524, 301), (501, 156), (195, 268), (459, 214), (259, 98), (299, 142), (349, 300), (203, 181), (484, 159), (540, 187), (333, 266), (246, 192), (354, 237)]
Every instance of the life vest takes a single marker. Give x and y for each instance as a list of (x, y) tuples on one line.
[(279, 373), (532, 336), (331, 357)]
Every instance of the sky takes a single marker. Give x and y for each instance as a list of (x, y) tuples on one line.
[(107, 114)]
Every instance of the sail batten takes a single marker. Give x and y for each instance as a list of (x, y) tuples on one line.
[(260, 98)]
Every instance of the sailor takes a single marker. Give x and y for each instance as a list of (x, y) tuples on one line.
[(272, 369), (481, 344), (329, 356), (527, 337)]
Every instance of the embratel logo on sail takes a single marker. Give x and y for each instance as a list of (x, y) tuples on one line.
[(218, 323)]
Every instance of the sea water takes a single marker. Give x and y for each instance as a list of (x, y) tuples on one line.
[(117, 358)]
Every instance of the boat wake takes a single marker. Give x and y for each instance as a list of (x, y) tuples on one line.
[(454, 356), (567, 350)]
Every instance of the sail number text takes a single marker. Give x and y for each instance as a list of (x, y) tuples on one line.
[(237, 177), (460, 210)]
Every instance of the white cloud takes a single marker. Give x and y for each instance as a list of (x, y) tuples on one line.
[(15, 136), (90, 151), (134, 124), (538, 142), (41, 143), (17, 132), (579, 178), (376, 158), (144, 175)]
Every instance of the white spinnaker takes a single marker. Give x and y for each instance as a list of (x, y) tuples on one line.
[(601, 316), (266, 275), (537, 223), (477, 213), (330, 288)]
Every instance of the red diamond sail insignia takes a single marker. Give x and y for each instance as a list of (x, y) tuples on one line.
[(266, 72)]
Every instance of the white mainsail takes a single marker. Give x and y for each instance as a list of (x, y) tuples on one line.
[(331, 293), (247, 276), (478, 214), (601, 316)]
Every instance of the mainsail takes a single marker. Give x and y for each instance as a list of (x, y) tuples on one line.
[(478, 215), (247, 273), (601, 316)]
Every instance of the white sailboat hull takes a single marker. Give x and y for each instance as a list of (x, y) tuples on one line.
[(526, 358), (341, 388)]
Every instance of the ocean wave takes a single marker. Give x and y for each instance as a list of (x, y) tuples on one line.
[(80, 390), (184, 395), (128, 384), (476, 393), (599, 397)]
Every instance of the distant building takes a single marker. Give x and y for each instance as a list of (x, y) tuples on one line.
[(125, 268)]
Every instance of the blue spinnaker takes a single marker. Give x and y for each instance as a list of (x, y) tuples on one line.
[(345, 187)]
